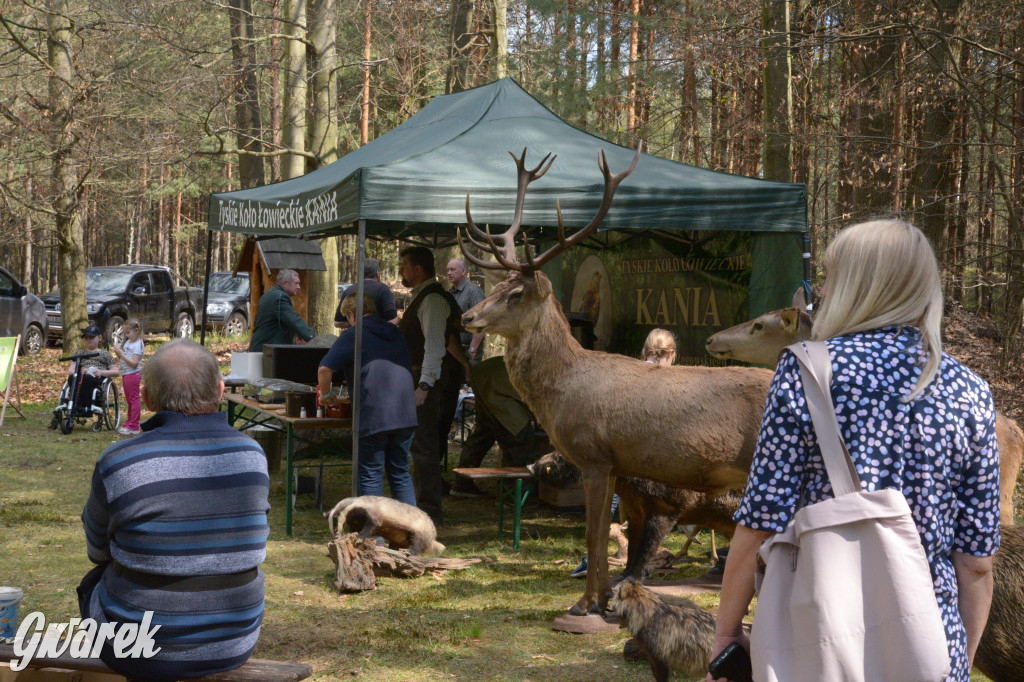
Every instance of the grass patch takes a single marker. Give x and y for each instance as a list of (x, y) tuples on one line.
[(489, 622)]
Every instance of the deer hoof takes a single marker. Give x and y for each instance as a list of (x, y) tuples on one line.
[(577, 610)]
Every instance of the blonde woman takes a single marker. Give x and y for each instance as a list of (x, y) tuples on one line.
[(660, 347), (913, 419)]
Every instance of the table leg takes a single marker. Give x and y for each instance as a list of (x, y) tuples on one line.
[(288, 484), (518, 513), (231, 413), (501, 508)]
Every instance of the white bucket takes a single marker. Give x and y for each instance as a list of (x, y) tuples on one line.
[(10, 597)]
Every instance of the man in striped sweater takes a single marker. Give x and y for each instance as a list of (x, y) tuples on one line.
[(176, 522)]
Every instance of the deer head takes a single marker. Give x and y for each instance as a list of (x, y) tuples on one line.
[(762, 339), (509, 306)]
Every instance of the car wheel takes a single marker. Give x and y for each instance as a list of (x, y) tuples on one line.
[(33, 340), (236, 325), (114, 333), (184, 327)]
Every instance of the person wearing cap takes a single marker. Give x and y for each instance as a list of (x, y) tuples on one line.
[(95, 369)]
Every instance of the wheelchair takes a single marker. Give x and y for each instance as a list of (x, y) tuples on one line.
[(106, 402)]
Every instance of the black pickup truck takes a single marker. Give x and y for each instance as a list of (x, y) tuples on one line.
[(147, 292)]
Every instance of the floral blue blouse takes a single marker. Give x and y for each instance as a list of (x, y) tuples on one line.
[(939, 449)]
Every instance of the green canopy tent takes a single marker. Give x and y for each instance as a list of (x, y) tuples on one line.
[(411, 183)]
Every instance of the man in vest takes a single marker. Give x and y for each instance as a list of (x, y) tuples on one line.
[(430, 327)]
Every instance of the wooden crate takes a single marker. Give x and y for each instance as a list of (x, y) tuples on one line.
[(565, 497)]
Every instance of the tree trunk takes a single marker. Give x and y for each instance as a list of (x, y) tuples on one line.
[(932, 179), (459, 46), (64, 171), (322, 295), (248, 125), (293, 135), (275, 89), (499, 39), (689, 123), (778, 91), (29, 274), (364, 111), (634, 42)]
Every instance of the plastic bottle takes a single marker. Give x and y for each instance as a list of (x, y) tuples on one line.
[(302, 413), (320, 412)]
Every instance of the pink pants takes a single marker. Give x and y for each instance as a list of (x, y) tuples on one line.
[(131, 383)]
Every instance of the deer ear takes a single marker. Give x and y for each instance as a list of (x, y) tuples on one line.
[(799, 300), (791, 319)]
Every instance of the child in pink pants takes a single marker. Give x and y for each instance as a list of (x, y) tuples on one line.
[(130, 355)]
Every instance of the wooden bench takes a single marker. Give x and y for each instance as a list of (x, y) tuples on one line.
[(253, 670), (517, 495)]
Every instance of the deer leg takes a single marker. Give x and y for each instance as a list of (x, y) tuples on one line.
[(636, 517), (656, 527), (691, 537), (714, 550), (597, 489)]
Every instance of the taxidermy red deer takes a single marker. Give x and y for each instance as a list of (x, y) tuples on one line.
[(762, 339), (610, 415)]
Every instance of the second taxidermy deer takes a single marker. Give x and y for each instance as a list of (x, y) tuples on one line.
[(688, 427), (761, 340)]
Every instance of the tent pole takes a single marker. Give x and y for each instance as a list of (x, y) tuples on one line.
[(206, 286), (358, 359)]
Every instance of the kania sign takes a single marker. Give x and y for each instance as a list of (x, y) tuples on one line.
[(692, 287)]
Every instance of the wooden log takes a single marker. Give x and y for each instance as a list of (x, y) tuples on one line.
[(358, 563), (353, 563)]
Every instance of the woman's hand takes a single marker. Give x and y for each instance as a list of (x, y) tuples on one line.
[(720, 644)]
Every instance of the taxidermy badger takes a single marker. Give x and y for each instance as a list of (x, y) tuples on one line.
[(402, 525), (672, 633)]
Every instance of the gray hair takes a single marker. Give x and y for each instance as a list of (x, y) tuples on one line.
[(183, 377), (284, 275), (462, 264), (370, 268)]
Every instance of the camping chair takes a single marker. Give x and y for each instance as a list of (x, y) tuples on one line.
[(9, 374)]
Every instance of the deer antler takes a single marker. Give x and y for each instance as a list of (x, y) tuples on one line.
[(505, 251)]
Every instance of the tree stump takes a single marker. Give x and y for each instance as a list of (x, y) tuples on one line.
[(358, 563), (353, 563)]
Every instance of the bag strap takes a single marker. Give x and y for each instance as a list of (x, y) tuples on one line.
[(816, 373)]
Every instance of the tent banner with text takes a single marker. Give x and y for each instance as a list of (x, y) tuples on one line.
[(694, 287)]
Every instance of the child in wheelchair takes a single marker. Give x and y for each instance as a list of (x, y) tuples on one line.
[(95, 366)]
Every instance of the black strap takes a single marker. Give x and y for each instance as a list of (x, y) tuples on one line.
[(176, 583)]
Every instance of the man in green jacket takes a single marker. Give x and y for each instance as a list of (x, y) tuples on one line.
[(276, 320)]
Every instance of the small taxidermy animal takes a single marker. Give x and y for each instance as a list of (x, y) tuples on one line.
[(402, 525), (672, 633)]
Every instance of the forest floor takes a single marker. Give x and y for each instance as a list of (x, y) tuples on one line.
[(488, 622)]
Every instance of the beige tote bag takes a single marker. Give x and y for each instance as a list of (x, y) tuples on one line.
[(846, 593)]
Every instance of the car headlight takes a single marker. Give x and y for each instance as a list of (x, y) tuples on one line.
[(93, 307), (217, 308)]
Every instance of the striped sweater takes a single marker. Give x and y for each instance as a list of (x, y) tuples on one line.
[(178, 516)]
